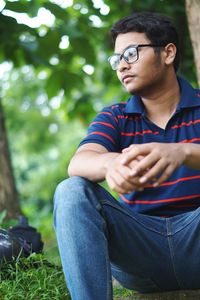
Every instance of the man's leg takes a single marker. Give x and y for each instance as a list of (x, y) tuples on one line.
[(93, 229), (166, 257), (139, 250), (184, 241), (82, 242)]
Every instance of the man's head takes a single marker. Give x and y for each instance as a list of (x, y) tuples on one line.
[(158, 29), (146, 52)]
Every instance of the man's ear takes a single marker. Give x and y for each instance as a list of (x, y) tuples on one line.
[(169, 53)]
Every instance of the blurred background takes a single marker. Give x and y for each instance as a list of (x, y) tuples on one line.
[(54, 78)]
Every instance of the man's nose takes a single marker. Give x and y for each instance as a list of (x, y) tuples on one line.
[(123, 65)]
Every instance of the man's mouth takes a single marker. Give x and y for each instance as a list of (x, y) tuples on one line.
[(127, 77)]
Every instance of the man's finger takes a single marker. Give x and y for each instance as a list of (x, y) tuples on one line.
[(166, 174), (157, 170), (135, 151)]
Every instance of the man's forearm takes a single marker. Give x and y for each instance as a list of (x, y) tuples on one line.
[(91, 164), (192, 159)]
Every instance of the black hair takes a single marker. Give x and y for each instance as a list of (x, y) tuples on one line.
[(158, 28)]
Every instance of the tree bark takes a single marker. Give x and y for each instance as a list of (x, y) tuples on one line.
[(8, 192), (193, 16)]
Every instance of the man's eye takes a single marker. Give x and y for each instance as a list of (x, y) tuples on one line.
[(131, 52), (115, 60)]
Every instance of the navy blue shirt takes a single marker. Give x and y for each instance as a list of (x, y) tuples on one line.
[(118, 126)]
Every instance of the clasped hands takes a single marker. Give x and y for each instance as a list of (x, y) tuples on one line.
[(142, 164)]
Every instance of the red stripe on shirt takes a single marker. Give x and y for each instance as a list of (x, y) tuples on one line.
[(109, 114), (185, 124), (129, 118), (176, 181), (104, 123), (103, 134), (190, 141), (116, 119), (117, 105), (139, 133), (105, 113), (158, 201)]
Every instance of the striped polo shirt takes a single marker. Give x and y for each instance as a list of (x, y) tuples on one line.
[(121, 125)]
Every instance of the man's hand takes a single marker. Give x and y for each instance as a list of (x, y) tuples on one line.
[(160, 161), (119, 176)]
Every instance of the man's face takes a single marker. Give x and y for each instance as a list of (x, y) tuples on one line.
[(144, 75)]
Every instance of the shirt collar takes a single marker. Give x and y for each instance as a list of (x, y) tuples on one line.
[(190, 97)]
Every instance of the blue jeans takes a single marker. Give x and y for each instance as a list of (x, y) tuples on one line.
[(99, 237)]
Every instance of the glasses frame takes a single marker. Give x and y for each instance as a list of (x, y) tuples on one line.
[(120, 56)]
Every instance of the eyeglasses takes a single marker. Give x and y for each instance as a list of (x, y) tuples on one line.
[(130, 55)]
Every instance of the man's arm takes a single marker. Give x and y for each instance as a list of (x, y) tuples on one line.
[(192, 158), (91, 161), (94, 162)]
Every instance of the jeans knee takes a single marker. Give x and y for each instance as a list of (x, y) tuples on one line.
[(67, 190), (70, 196), (68, 184), (63, 199)]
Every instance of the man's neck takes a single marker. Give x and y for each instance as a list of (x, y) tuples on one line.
[(161, 105)]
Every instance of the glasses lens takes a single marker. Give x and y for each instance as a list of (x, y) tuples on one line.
[(130, 54), (114, 61)]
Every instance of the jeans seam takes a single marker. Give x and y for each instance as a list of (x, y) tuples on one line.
[(127, 213), (109, 292), (99, 208), (149, 279), (188, 223), (169, 239)]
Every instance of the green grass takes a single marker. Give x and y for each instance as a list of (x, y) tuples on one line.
[(38, 277), (122, 292), (34, 278)]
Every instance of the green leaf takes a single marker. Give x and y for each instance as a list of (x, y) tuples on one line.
[(61, 79), (54, 84), (82, 47), (17, 6), (2, 216), (48, 45), (57, 11)]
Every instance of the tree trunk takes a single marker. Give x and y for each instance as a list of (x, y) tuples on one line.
[(193, 16), (8, 192)]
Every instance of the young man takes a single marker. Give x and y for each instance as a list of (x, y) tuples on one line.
[(148, 151)]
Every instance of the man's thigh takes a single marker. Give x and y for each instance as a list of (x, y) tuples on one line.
[(184, 244), (140, 248)]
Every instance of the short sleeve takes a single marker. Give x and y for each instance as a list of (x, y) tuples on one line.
[(104, 131)]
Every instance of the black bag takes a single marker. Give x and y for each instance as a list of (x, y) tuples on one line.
[(19, 240)]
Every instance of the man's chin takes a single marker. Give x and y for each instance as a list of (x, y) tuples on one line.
[(132, 90), (131, 87)]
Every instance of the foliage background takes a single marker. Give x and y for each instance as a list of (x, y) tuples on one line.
[(54, 79)]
